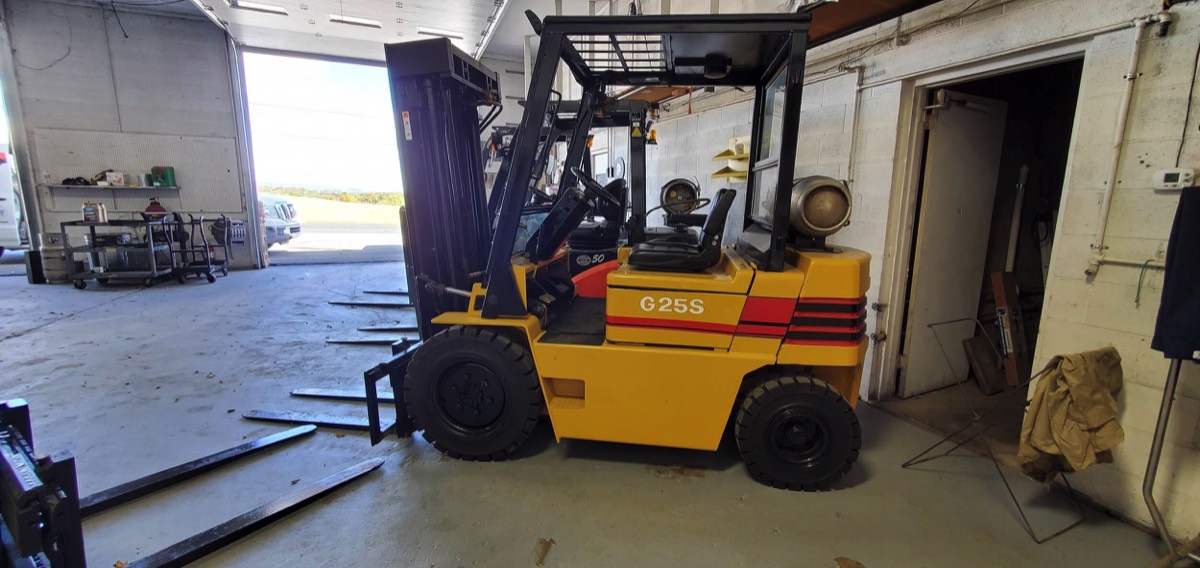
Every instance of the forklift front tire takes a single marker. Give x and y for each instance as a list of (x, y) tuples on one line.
[(474, 392), (795, 432)]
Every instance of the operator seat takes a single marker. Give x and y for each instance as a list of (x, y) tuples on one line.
[(601, 234), (683, 257)]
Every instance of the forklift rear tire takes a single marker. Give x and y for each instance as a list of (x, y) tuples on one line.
[(795, 432), (474, 392)]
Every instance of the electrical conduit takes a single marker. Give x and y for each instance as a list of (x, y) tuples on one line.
[(1139, 26)]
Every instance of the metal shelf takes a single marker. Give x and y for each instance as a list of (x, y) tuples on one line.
[(112, 187)]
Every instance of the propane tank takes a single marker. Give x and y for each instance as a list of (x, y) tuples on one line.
[(820, 206)]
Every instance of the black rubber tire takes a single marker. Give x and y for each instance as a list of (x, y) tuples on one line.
[(210, 277), (827, 435), (80, 284), (477, 356)]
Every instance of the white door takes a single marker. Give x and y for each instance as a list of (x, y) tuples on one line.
[(962, 161), (10, 206)]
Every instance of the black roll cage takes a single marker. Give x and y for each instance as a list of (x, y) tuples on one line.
[(742, 50)]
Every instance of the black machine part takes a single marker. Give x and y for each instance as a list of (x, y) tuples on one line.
[(436, 89), (39, 498), (684, 257), (474, 392), (796, 432), (566, 215)]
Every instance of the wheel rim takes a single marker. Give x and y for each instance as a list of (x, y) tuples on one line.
[(798, 437), (470, 396)]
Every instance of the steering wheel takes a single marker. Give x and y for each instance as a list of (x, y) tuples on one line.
[(594, 189)]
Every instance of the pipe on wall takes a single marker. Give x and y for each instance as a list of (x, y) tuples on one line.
[(1139, 26), (859, 74)]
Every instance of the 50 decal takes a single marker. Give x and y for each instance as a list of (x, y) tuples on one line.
[(672, 305)]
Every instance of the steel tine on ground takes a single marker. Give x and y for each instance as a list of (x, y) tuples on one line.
[(201, 544), (126, 492)]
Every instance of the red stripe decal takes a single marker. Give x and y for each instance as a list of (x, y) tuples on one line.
[(848, 301), (671, 324), (768, 310), (831, 329), (761, 330), (823, 342), (831, 315)]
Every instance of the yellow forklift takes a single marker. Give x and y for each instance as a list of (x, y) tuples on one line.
[(672, 340)]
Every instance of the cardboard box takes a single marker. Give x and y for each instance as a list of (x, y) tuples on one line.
[(115, 178)]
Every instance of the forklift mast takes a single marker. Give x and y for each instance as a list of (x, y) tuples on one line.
[(436, 89)]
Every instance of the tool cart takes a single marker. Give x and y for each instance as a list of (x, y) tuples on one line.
[(141, 251), (194, 254)]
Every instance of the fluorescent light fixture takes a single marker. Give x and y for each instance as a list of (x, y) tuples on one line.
[(256, 7), (438, 33), (353, 21)]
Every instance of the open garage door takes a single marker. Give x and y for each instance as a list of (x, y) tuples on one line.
[(325, 159)]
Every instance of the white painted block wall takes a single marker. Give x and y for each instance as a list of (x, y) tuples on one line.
[(93, 98), (1079, 313)]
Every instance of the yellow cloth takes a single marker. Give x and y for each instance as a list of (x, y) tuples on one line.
[(1071, 422)]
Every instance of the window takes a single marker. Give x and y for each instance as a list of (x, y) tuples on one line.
[(772, 125)]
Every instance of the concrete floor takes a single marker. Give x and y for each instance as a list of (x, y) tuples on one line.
[(331, 243), (953, 408), (12, 263), (135, 380)]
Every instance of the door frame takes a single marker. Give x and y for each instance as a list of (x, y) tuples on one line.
[(903, 212)]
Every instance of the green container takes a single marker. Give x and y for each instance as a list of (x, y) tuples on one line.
[(164, 176)]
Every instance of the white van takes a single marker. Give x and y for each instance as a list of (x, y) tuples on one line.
[(281, 224), (12, 222)]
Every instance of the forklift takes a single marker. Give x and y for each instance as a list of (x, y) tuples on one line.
[(675, 340)]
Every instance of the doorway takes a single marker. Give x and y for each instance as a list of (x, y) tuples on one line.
[(989, 190), (325, 160)]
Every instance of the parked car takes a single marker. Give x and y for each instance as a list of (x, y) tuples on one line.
[(13, 231), (281, 224)]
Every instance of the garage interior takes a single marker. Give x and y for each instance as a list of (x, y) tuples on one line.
[(543, 302)]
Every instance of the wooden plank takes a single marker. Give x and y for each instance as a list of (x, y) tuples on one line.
[(1012, 328)]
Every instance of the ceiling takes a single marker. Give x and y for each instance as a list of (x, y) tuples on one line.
[(167, 7), (509, 40), (308, 26), (842, 18)]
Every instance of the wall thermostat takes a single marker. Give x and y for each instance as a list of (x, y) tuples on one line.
[(1174, 178)]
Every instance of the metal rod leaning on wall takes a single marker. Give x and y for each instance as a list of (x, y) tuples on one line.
[(1156, 448), (950, 365)]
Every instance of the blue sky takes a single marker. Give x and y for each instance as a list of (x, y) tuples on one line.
[(321, 124)]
